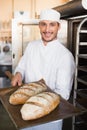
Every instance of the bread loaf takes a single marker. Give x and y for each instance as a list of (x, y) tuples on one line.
[(26, 91), (39, 105)]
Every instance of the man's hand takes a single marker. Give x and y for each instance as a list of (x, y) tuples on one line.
[(17, 79)]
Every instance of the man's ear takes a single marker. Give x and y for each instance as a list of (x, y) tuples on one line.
[(59, 26)]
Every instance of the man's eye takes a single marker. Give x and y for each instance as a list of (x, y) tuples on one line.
[(42, 24), (52, 24)]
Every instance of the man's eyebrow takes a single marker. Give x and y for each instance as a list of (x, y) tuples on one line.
[(49, 23)]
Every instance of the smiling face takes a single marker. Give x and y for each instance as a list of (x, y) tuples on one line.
[(48, 30)]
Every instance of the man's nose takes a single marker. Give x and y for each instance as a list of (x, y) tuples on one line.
[(47, 28)]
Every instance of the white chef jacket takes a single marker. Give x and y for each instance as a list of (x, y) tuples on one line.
[(53, 62)]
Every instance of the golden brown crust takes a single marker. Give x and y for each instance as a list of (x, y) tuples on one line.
[(26, 91), (39, 105)]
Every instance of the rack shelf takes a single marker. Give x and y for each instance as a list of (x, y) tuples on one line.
[(81, 103), (82, 79), (82, 92), (83, 43), (82, 68), (84, 56), (83, 31)]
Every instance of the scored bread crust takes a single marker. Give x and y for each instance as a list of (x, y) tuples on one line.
[(39, 105), (26, 91)]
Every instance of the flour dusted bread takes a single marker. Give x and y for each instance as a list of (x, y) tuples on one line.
[(26, 91), (39, 105)]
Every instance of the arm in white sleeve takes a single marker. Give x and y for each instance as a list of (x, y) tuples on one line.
[(65, 76)]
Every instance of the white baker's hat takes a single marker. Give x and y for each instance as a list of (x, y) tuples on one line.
[(50, 14)]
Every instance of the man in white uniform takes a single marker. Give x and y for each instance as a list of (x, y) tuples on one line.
[(47, 58)]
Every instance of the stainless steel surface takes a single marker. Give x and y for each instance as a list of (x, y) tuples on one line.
[(71, 9), (5, 58), (63, 111), (4, 82), (4, 68)]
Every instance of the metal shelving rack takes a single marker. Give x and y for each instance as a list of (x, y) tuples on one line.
[(80, 84)]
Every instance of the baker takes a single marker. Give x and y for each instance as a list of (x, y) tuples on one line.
[(47, 58)]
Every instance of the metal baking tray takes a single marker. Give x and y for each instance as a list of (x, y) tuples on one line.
[(64, 110)]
